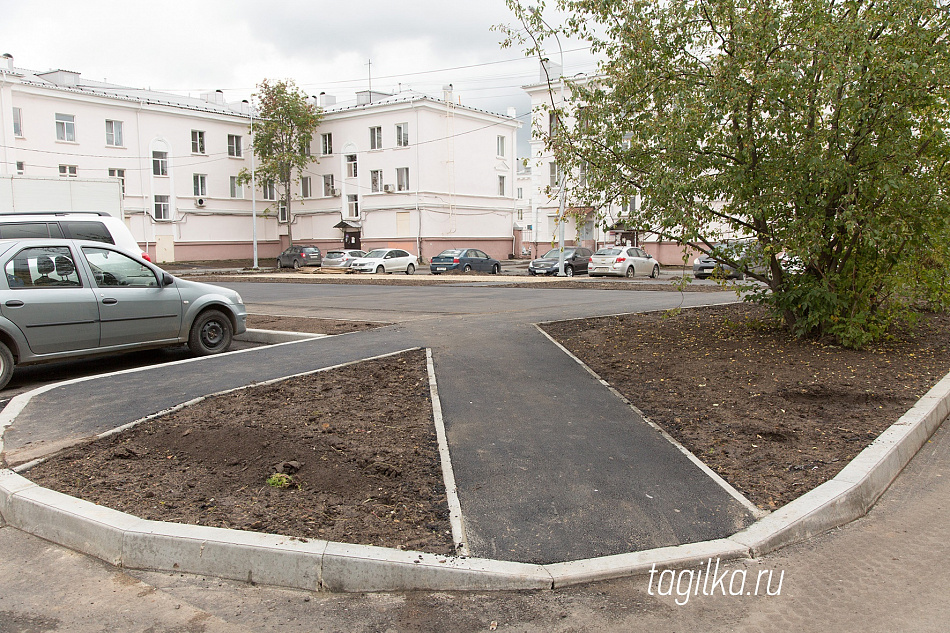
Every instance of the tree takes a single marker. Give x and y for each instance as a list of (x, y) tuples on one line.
[(282, 135), (817, 129)]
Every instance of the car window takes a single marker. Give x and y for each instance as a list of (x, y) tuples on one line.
[(398, 253), (111, 268), (335, 254), (93, 231), (608, 252), (480, 254), (376, 254), (39, 267), (16, 230), (311, 249)]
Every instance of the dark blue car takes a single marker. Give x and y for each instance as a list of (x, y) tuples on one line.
[(463, 260)]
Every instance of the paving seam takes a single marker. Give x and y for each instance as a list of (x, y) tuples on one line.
[(128, 541)]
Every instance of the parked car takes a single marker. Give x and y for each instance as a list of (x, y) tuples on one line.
[(463, 260), (297, 256), (576, 260), (623, 261), (745, 252), (97, 226), (341, 258), (68, 298), (385, 260)]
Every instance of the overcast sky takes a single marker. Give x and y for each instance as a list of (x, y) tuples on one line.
[(196, 46)]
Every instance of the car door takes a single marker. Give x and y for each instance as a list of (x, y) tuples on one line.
[(134, 307), (480, 261), (53, 306), (644, 263)]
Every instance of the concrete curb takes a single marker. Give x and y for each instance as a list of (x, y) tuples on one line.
[(272, 337), (128, 541)]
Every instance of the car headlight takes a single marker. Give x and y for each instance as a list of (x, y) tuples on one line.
[(696, 261), (237, 297)]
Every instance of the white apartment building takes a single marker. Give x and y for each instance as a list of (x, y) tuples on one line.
[(403, 170)]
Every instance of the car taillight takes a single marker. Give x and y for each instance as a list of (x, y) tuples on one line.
[(304, 255), (455, 260), (146, 257), (590, 260), (620, 260)]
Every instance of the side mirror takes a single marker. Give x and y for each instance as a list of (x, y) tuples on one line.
[(167, 279), (649, 256)]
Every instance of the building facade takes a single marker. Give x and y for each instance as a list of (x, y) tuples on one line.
[(403, 170)]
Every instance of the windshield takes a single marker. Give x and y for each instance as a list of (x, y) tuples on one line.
[(335, 254), (452, 252), (553, 253), (608, 251), (379, 253)]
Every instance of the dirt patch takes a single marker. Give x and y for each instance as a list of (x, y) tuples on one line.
[(310, 325), (774, 416), (360, 464)]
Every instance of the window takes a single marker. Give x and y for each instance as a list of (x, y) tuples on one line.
[(116, 269), (328, 185), (17, 122), (500, 144), (66, 128), (402, 135), (237, 191), (270, 192), (351, 165), (326, 144), (305, 147), (201, 184), (376, 138), (402, 224), (68, 171), (114, 133), (520, 193), (555, 174), (402, 179), (197, 142), (161, 208), (20, 168), (234, 145), (44, 266), (552, 123), (120, 174), (353, 205), (282, 211), (159, 163), (306, 190), (376, 180), (501, 185)]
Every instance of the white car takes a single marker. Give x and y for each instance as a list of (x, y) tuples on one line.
[(385, 260), (622, 261)]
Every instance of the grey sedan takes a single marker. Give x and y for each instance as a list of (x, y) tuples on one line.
[(69, 298)]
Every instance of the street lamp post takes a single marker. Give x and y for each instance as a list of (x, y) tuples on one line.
[(250, 108), (562, 203)]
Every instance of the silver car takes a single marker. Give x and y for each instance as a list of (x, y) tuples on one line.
[(67, 298), (385, 260), (623, 261), (342, 258)]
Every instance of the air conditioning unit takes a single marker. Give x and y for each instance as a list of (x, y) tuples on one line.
[(335, 193), (389, 188), (200, 202)]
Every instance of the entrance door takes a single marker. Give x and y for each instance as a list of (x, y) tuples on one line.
[(351, 239)]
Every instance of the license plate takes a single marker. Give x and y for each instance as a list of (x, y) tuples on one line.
[(440, 267), (597, 270)]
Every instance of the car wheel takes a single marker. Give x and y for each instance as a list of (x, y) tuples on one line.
[(466, 269), (629, 272), (279, 265), (496, 269), (569, 271), (380, 270), (530, 273), (6, 365), (211, 333), (656, 271), (410, 269), (296, 264)]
